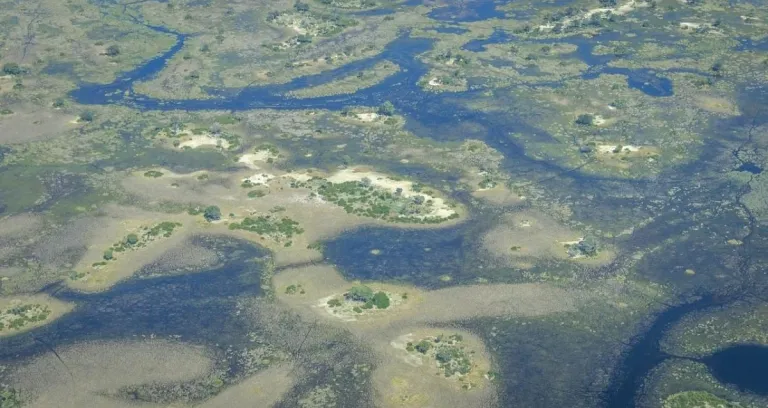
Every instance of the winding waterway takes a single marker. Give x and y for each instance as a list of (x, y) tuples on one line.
[(416, 104)]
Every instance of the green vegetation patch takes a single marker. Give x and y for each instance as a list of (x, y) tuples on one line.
[(360, 298), (279, 229), (294, 289), (449, 353), (9, 398), (364, 199), (19, 316), (696, 399), (138, 240)]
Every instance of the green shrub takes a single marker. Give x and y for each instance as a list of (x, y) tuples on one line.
[(132, 239), (212, 213), (423, 346), (86, 116), (381, 300), (108, 254), (113, 51), (360, 293), (334, 302), (153, 174), (12, 68), (585, 120)]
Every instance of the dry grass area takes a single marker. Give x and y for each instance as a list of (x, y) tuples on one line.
[(261, 390), (90, 372), (116, 224), (29, 124), (319, 219), (522, 236)]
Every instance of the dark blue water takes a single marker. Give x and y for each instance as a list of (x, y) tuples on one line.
[(745, 366), (750, 167), (644, 80), (450, 30), (411, 256), (198, 307), (464, 12), (747, 44)]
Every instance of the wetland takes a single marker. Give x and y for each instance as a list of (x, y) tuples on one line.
[(333, 203)]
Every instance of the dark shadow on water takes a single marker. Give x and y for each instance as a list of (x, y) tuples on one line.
[(745, 366), (198, 307)]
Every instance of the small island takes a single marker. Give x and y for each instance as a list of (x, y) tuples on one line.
[(361, 300), (20, 314), (453, 358), (696, 399)]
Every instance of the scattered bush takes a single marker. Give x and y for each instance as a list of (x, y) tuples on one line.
[(380, 300), (12, 68), (212, 213), (86, 116), (113, 51), (360, 293), (585, 120)]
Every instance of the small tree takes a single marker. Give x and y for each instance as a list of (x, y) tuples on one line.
[(132, 239), (113, 51), (360, 293), (386, 109), (86, 116), (585, 119), (212, 213), (423, 347), (301, 7), (12, 68), (108, 255), (381, 300)]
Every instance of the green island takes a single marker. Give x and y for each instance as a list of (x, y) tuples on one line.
[(360, 299), (448, 353), (280, 229), (374, 196), (19, 316), (697, 399), (141, 238)]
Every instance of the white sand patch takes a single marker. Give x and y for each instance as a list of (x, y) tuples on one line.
[(598, 120), (323, 304), (604, 11), (401, 343), (604, 149), (435, 82), (367, 117), (569, 243), (204, 140), (259, 178), (298, 176), (299, 30), (440, 208), (261, 156)]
